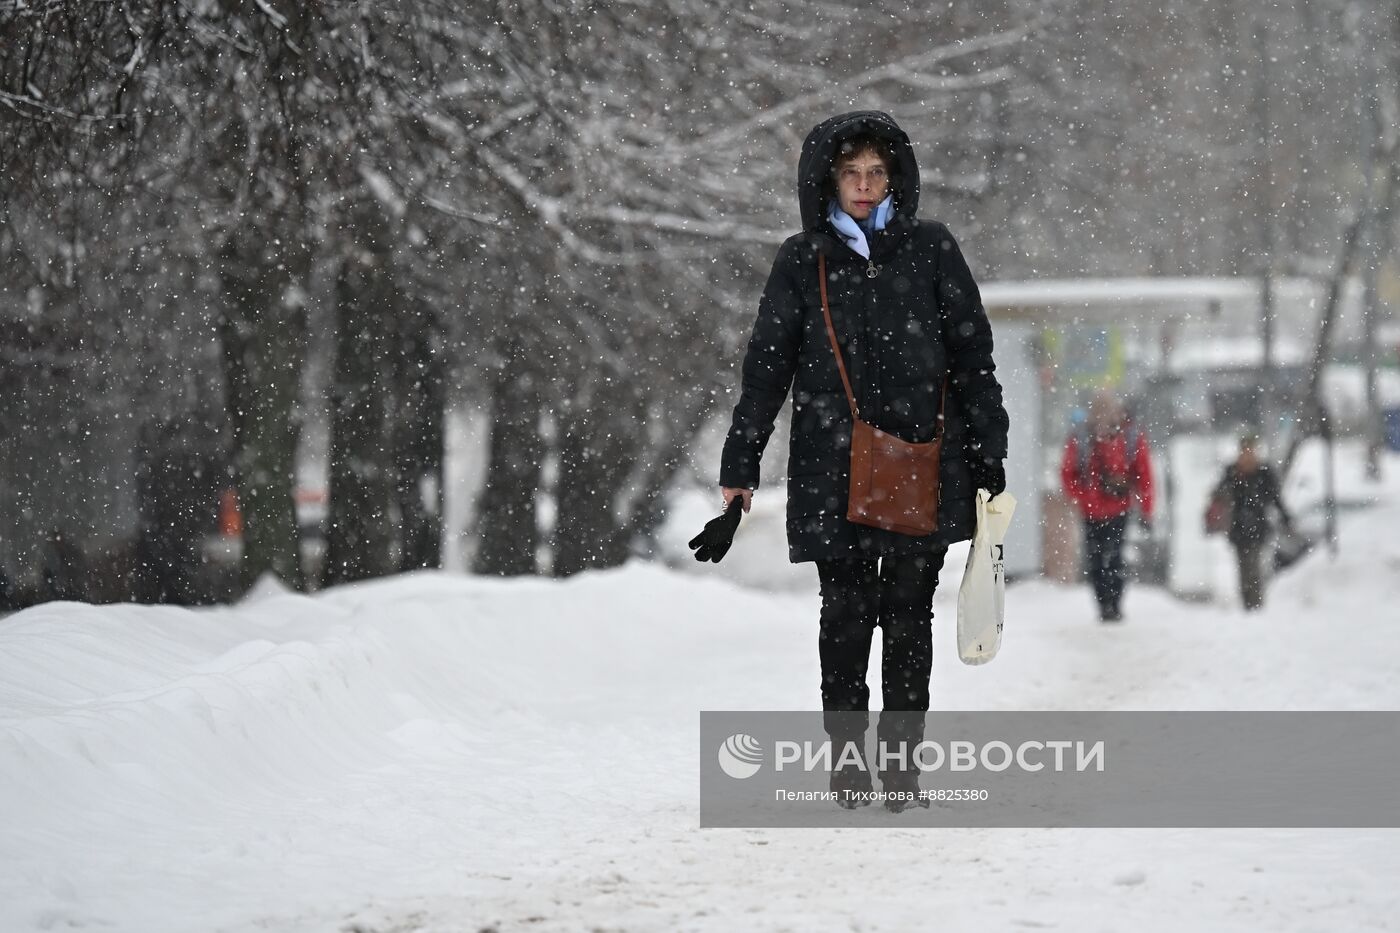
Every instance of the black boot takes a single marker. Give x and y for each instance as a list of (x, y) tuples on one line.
[(902, 791), (850, 781), (899, 774)]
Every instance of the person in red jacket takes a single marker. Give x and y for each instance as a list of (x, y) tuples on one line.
[(1107, 468)]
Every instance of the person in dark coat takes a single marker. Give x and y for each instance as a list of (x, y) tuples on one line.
[(907, 313), (1252, 491)]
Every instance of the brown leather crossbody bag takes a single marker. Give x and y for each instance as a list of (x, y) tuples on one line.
[(894, 484)]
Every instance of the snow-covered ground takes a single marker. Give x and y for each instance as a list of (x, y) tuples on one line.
[(439, 752)]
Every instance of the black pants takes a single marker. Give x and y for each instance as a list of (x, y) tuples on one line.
[(896, 596), (1249, 557), (1103, 561)]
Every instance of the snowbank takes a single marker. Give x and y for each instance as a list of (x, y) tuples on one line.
[(442, 752)]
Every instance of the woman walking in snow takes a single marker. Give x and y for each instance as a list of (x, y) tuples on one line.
[(907, 316)]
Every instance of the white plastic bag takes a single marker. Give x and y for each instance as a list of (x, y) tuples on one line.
[(982, 597)]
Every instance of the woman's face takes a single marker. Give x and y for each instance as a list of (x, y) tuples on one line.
[(862, 181)]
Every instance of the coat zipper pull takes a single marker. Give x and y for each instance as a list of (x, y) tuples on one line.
[(871, 270)]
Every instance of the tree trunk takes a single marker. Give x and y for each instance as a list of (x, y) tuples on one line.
[(263, 343), (596, 452), (418, 440), (1383, 245), (615, 462), (509, 535), (357, 535), (649, 511)]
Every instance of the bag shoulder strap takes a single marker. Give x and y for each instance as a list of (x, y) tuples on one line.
[(831, 334), (841, 364), (1082, 441)]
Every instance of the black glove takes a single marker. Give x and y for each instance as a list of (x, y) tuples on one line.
[(988, 473), (713, 543)]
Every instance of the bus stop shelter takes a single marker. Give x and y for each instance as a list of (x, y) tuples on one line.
[(1058, 341)]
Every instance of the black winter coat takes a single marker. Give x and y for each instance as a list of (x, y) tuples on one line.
[(920, 317), (1252, 495)]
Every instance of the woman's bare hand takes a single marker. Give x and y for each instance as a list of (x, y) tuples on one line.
[(729, 492)]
